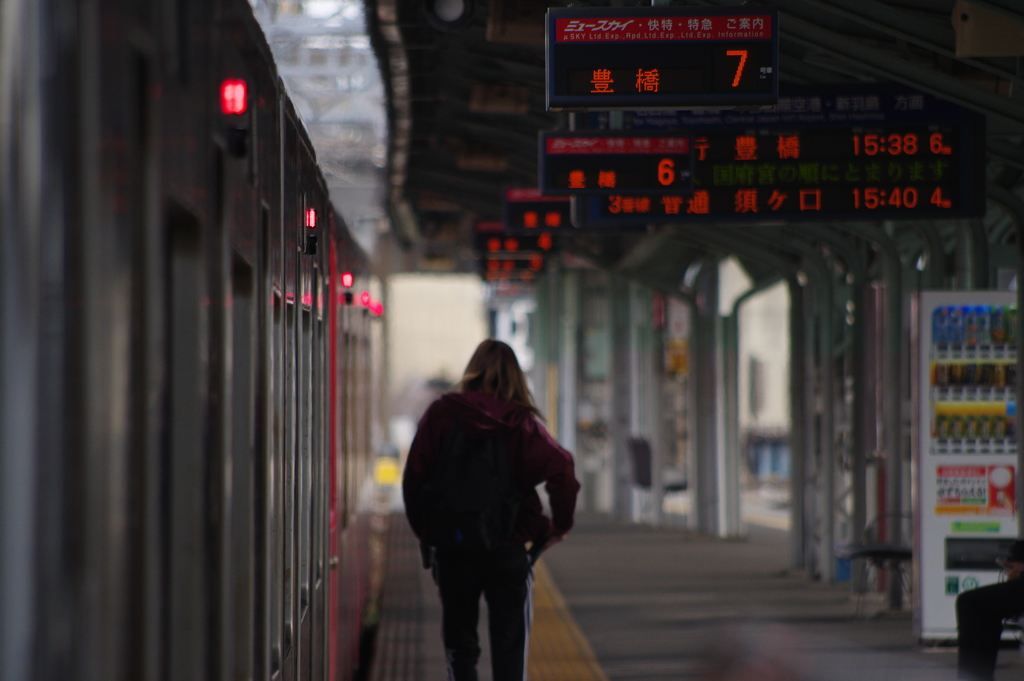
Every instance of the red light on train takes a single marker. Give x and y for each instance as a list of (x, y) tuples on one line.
[(511, 244), (544, 241), (234, 96), (347, 279), (494, 244), (377, 308), (311, 218), (536, 262), (364, 298)]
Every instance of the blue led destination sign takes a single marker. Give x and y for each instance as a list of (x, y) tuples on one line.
[(661, 57)]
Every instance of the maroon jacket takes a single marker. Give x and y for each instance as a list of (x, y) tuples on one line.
[(534, 456)]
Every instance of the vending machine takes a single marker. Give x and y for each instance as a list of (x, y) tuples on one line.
[(966, 449)]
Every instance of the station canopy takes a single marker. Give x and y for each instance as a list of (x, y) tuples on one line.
[(465, 89)]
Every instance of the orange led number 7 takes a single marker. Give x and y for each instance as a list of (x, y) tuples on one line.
[(742, 54)]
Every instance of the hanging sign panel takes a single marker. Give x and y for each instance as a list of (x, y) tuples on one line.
[(498, 243), (526, 210), (612, 161), (511, 266), (873, 155), (661, 57)]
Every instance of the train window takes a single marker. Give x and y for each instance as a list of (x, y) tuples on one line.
[(254, 136), (305, 460), (262, 554), (350, 421), (341, 453), (144, 472), (319, 454), (240, 580), (185, 467), (290, 487), (274, 488)]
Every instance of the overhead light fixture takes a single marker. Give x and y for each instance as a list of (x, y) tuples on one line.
[(448, 15)]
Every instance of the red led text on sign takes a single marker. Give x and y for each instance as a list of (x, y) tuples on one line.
[(234, 97), (742, 54)]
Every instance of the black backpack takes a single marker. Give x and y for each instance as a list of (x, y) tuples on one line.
[(471, 503)]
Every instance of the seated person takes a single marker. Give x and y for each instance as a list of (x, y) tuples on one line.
[(979, 616)]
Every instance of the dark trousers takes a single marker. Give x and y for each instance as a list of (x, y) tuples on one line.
[(979, 619), (505, 579)]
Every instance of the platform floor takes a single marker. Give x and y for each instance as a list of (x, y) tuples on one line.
[(626, 602)]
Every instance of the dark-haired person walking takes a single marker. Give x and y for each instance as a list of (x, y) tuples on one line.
[(491, 415)]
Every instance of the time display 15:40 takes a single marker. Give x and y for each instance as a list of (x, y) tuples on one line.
[(896, 197), (897, 144)]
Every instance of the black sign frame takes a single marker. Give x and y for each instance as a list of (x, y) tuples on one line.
[(614, 161), (724, 62), (873, 121)]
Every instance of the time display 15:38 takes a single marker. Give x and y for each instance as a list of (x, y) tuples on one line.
[(897, 144)]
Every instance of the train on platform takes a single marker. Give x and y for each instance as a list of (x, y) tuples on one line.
[(188, 357)]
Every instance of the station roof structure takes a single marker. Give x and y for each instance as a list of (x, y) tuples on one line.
[(464, 83)]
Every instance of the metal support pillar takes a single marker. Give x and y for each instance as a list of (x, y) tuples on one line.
[(934, 272), (798, 439), (893, 388), (860, 419), (551, 387), (979, 255), (621, 387), (731, 370), (707, 493), (725, 244), (568, 364), (827, 438), (1015, 208), (655, 399), (731, 416), (819, 473)]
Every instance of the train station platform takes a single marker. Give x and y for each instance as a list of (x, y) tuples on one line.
[(627, 602)]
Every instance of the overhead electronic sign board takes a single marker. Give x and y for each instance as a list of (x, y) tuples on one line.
[(870, 155), (526, 210), (661, 57), (490, 240), (511, 266), (614, 161)]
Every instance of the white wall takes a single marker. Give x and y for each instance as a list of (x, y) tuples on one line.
[(435, 322), (764, 334)]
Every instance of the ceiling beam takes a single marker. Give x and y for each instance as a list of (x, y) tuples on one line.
[(1010, 9), (904, 26), (901, 70)]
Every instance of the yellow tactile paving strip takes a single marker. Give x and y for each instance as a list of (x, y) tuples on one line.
[(558, 649)]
